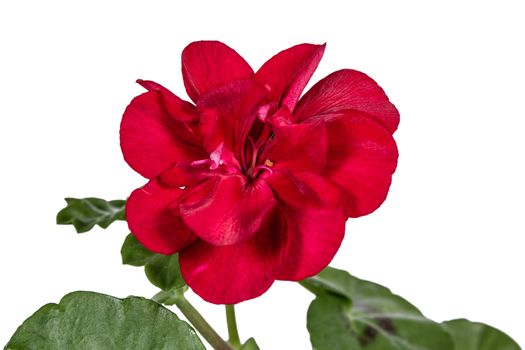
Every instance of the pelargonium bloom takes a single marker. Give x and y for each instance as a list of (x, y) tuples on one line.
[(253, 183)]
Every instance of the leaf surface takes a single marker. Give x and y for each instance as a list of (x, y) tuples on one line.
[(478, 336), (85, 213), (350, 313), (88, 320)]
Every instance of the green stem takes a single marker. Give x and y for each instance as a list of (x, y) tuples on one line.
[(200, 324), (233, 333)]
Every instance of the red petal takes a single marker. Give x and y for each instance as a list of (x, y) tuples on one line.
[(348, 90), (227, 114), (232, 212), (297, 147), (154, 224), (152, 139), (288, 72), (178, 108), (234, 273), (362, 156), (184, 176), (209, 64), (313, 223)]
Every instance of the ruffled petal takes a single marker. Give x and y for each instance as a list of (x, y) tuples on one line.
[(348, 90), (227, 114), (210, 64), (178, 108), (297, 147), (234, 273), (312, 223), (362, 156), (184, 176), (152, 221), (231, 212), (152, 139), (288, 72)]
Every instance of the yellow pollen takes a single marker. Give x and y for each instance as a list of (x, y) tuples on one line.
[(268, 162)]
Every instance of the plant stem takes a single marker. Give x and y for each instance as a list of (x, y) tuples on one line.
[(233, 333), (200, 324)]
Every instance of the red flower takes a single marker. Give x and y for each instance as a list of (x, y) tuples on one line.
[(252, 183)]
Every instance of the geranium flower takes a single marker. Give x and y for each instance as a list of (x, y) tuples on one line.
[(251, 183)]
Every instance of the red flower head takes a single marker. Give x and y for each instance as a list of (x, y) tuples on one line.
[(252, 183)]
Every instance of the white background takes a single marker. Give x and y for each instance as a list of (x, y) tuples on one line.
[(450, 237)]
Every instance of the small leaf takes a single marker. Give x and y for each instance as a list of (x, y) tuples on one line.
[(85, 213), (163, 271), (478, 336), (250, 345), (134, 253), (87, 320), (350, 313)]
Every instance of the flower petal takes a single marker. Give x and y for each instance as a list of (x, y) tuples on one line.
[(234, 273), (313, 223), (152, 139), (152, 221), (348, 90), (209, 64), (288, 72), (184, 176), (232, 212), (297, 147), (362, 156), (178, 108), (227, 114)]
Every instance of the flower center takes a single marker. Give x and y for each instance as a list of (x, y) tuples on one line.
[(254, 161), (252, 165), (251, 160)]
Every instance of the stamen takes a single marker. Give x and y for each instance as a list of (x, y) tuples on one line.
[(248, 150), (259, 168), (262, 112), (200, 162), (219, 158), (261, 150), (268, 163), (215, 157)]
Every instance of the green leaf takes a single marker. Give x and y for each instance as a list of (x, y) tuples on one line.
[(163, 271), (85, 213), (350, 313), (87, 321), (250, 345), (328, 325), (478, 336), (134, 253)]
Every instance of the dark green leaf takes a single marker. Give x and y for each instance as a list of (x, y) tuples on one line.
[(162, 271), (87, 320), (350, 313), (85, 213), (250, 345), (478, 336)]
